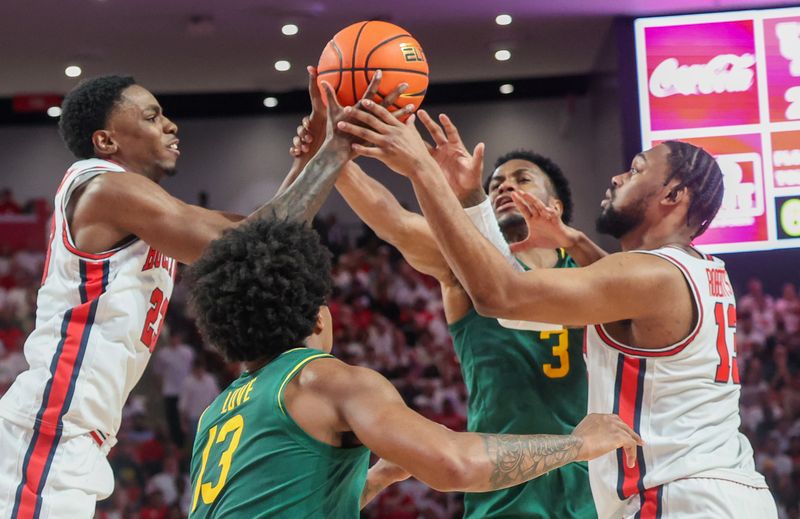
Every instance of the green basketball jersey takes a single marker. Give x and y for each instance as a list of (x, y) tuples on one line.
[(526, 382), (251, 459)]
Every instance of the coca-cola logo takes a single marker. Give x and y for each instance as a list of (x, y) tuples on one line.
[(723, 73)]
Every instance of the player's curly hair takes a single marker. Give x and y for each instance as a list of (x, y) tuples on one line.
[(551, 169), (86, 109), (256, 291), (698, 172)]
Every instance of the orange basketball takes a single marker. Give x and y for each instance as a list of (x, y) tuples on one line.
[(350, 59)]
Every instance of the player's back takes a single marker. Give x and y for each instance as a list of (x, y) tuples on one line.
[(251, 459), (98, 317), (682, 399), (525, 382)]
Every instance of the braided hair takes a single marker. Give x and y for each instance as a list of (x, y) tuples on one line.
[(700, 174)]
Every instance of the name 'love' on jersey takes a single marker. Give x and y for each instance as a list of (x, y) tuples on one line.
[(97, 320), (683, 399)]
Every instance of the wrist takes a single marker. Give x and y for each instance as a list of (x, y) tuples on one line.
[(573, 237), (472, 198), (422, 167)]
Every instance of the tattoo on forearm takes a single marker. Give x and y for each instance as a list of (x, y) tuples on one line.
[(303, 198), (517, 459)]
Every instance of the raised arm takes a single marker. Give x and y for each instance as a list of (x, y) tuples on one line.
[(449, 461), (408, 231), (611, 289), (117, 205)]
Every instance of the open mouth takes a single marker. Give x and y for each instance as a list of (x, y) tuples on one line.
[(174, 147), (503, 203)]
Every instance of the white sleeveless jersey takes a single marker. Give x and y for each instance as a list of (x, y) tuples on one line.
[(97, 320), (683, 399)]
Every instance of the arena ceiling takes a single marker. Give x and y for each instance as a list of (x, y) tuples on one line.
[(177, 46)]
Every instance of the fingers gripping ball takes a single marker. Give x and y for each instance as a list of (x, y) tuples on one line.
[(350, 59)]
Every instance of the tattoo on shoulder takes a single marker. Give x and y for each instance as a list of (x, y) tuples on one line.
[(518, 459)]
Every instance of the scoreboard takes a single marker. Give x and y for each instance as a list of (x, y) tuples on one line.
[(730, 83)]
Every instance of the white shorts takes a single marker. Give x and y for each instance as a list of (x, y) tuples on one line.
[(63, 479), (704, 498)]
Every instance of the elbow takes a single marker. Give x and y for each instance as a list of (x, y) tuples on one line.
[(491, 302)]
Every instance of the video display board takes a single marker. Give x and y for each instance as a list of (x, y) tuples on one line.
[(730, 83)]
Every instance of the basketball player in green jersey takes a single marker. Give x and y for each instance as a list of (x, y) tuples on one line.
[(518, 380), (290, 437)]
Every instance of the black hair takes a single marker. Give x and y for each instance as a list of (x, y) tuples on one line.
[(559, 182), (257, 290), (700, 174), (86, 109)]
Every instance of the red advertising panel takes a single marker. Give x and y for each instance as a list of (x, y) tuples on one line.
[(730, 83)]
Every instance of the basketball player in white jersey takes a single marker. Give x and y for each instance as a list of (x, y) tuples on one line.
[(116, 236), (660, 320)]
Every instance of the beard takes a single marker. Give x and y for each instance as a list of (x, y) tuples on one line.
[(513, 227), (619, 223), (171, 172)]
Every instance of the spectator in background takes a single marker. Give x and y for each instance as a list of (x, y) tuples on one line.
[(759, 305), (198, 390), (172, 365), (788, 308), (7, 203)]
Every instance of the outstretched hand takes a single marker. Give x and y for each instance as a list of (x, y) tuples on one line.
[(463, 170), (313, 129), (397, 144), (546, 230)]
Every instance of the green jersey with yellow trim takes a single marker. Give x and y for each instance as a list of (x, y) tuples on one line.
[(251, 459), (526, 382)]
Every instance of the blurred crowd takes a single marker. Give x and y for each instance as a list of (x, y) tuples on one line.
[(388, 317)]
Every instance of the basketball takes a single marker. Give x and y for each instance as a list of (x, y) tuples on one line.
[(350, 59)]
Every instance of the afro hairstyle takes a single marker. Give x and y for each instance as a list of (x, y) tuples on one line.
[(86, 109), (257, 290)]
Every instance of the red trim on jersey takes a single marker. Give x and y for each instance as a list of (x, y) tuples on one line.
[(630, 413), (96, 438), (79, 253), (650, 503), (48, 431), (95, 280), (57, 396), (49, 247), (673, 350)]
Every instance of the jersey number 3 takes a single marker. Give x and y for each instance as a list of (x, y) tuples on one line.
[(234, 427), (727, 367), (558, 369)]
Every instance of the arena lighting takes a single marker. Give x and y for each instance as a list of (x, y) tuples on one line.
[(502, 55), (506, 88), (289, 29), (73, 71), (270, 102), (282, 65), (503, 19), (54, 111)]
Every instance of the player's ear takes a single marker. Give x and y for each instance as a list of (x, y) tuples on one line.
[(675, 193), (557, 205), (319, 326), (104, 143)]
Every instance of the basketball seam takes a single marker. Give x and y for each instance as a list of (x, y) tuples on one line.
[(384, 69), (341, 64), (353, 61), (376, 47)]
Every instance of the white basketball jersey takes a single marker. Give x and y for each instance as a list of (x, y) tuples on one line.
[(97, 320), (683, 399)]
